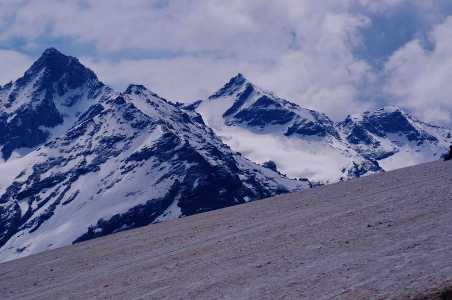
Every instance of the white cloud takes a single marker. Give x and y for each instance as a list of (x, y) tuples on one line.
[(420, 79), (185, 49), (301, 50), (181, 78), (295, 76), (13, 65)]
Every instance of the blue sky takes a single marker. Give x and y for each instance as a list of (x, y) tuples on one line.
[(336, 56)]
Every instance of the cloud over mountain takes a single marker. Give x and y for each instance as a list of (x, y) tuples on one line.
[(324, 55)]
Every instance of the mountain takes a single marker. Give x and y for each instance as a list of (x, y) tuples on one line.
[(118, 161), (263, 112), (394, 137), (47, 98), (306, 143), (80, 160), (302, 142)]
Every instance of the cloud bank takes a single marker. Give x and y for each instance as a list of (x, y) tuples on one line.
[(420, 79), (333, 56)]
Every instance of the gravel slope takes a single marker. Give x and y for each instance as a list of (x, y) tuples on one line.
[(383, 236)]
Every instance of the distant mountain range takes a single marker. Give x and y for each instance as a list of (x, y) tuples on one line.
[(307, 143), (80, 160)]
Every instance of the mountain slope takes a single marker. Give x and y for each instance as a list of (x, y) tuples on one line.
[(384, 236), (128, 160), (262, 126)]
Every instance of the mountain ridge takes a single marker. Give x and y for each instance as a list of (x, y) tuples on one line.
[(362, 144), (104, 161)]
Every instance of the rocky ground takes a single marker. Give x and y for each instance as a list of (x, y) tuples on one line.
[(386, 236)]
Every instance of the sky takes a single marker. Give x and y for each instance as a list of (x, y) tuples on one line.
[(335, 56)]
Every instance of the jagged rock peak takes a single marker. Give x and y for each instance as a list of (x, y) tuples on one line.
[(51, 57), (52, 52), (58, 65), (233, 85), (387, 110), (390, 108), (135, 89), (142, 92), (238, 79)]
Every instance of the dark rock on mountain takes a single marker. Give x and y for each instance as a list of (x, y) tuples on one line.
[(270, 165), (230, 88)]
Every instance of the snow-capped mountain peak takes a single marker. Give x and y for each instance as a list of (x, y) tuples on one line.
[(139, 93), (394, 137), (59, 72), (136, 89), (307, 143), (241, 103), (260, 124), (385, 121), (234, 85), (45, 101)]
